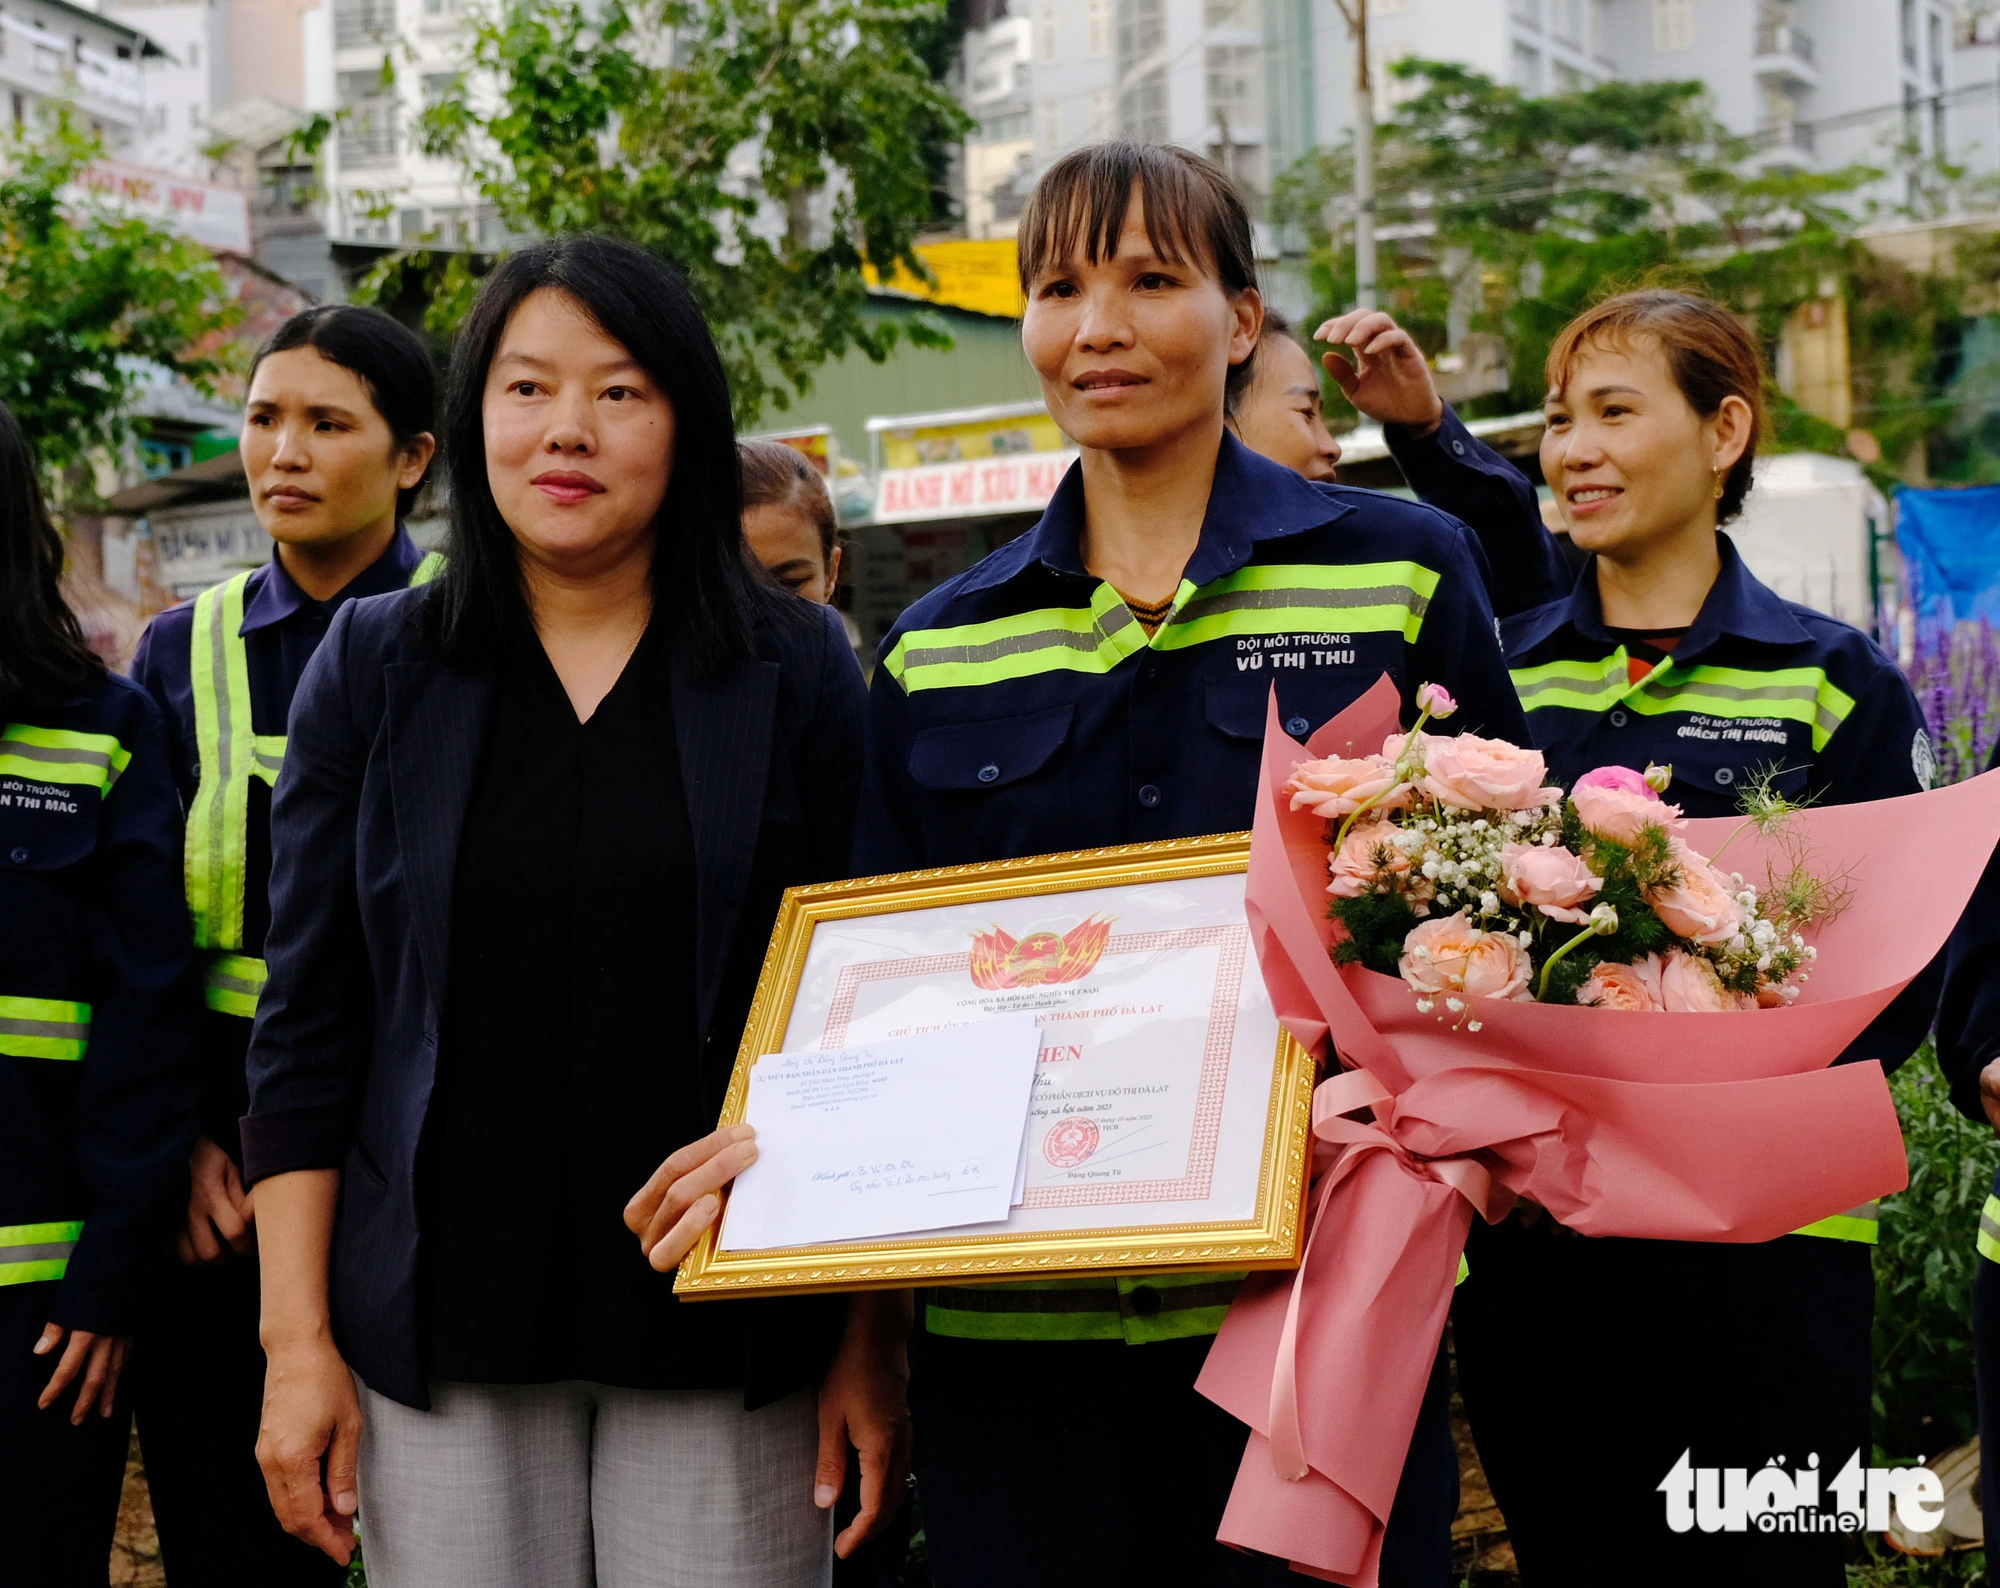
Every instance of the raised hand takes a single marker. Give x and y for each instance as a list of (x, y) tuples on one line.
[(1388, 379)]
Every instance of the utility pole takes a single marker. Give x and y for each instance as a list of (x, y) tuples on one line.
[(1356, 14)]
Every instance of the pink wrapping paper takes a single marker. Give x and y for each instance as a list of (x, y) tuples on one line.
[(1665, 1126)]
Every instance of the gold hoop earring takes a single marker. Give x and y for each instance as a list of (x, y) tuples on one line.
[(1719, 485)]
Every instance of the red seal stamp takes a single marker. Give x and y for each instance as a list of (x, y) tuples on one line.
[(1070, 1141)]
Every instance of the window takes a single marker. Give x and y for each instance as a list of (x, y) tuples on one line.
[(368, 132), (1566, 21), (1935, 32), (1673, 25), (1527, 68), (1103, 113), (1247, 14), (1909, 22), (1912, 128), (1234, 81), (1048, 35), (1569, 80), (194, 55), (1529, 12), (194, 118), (1938, 142), (439, 87), (1049, 134), (21, 110), (1100, 28)]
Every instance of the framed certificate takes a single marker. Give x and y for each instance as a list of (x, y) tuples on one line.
[(1169, 1117)]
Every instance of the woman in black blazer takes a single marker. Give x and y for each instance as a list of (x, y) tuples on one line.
[(531, 834)]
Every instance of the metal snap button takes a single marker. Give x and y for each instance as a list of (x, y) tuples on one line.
[(1297, 727), (1149, 796), (20, 857), (1619, 719), (1725, 775), (1145, 1301), (989, 773), (1458, 448)]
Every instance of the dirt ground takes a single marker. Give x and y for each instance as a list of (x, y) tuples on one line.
[(135, 1550)]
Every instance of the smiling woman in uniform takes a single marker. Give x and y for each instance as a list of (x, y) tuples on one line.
[(532, 831), (1589, 1365)]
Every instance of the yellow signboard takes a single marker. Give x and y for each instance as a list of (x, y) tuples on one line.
[(984, 438), (976, 275)]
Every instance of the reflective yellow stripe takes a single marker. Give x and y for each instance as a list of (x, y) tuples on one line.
[(44, 1028), (1575, 686), (1092, 639), (1862, 1224), (428, 569), (60, 755), (1989, 1230), (232, 984), (267, 757), (1464, 1268), (1138, 1310), (218, 826), (1792, 694), (1304, 598), (33, 1252)]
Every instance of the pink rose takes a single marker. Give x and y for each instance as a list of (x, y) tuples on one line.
[(1435, 699), (1437, 954), (1700, 906), (1368, 859), (1334, 787), (1619, 814), (1634, 986), (1474, 774), (1619, 777), (1552, 879), (1689, 985), (1498, 967)]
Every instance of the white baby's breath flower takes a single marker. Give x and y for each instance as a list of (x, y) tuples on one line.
[(1431, 868), (1489, 903), (1527, 939), (1455, 1005), (1472, 1025), (1426, 1005)]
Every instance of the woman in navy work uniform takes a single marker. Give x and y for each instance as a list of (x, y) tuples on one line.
[(97, 1037), (337, 437), (1103, 680), (1588, 1366)]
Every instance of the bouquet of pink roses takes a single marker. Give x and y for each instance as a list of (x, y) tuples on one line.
[(1457, 867)]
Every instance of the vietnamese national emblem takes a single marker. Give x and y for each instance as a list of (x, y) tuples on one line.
[(1001, 962)]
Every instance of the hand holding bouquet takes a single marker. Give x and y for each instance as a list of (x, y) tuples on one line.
[(1457, 867)]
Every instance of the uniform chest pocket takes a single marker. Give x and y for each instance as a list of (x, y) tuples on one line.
[(1711, 780), (995, 789), (45, 829)]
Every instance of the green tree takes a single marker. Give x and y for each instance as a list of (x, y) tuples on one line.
[(770, 148), (1512, 213), (91, 299)]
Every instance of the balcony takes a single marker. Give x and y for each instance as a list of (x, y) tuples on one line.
[(360, 23), (1785, 51), (368, 140), (1786, 141)]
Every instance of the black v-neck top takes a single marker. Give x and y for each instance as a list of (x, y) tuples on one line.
[(567, 1050)]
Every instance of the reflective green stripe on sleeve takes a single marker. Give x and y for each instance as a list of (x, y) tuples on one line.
[(427, 570), (1989, 1230), (267, 757), (34, 1252), (1577, 686), (1862, 1224), (232, 983), (44, 1028), (1139, 1310), (1293, 598), (1464, 1268), (59, 755)]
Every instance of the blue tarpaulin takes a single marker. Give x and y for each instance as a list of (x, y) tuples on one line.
[(1950, 541)]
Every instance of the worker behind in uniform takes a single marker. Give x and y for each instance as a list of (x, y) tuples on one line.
[(337, 438), (1060, 1439), (1968, 1050), (535, 823), (1590, 1365), (788, 519), (98, 1011), (1277, 411)]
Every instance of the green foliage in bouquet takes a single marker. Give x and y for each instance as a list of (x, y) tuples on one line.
[(1376, 924), (1628, 871)]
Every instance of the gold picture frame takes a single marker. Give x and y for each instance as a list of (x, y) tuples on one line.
[(1270, 1237)]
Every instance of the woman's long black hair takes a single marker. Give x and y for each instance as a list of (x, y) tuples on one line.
[(383, 354), (703, 586), (44, 657)]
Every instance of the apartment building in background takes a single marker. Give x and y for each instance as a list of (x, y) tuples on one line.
[(50, 49)]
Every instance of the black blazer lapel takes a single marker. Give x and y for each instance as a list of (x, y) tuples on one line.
[(722, 727), (438, 718)]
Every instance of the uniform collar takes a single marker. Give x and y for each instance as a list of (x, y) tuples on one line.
[(1252, 499), (1738, 604), (277, 596)]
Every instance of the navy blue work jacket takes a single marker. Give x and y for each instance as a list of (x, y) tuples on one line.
[(1453, 469), (282, 627), (1968, 1020), (99, 1003), (1021, 709), (384, 745)]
